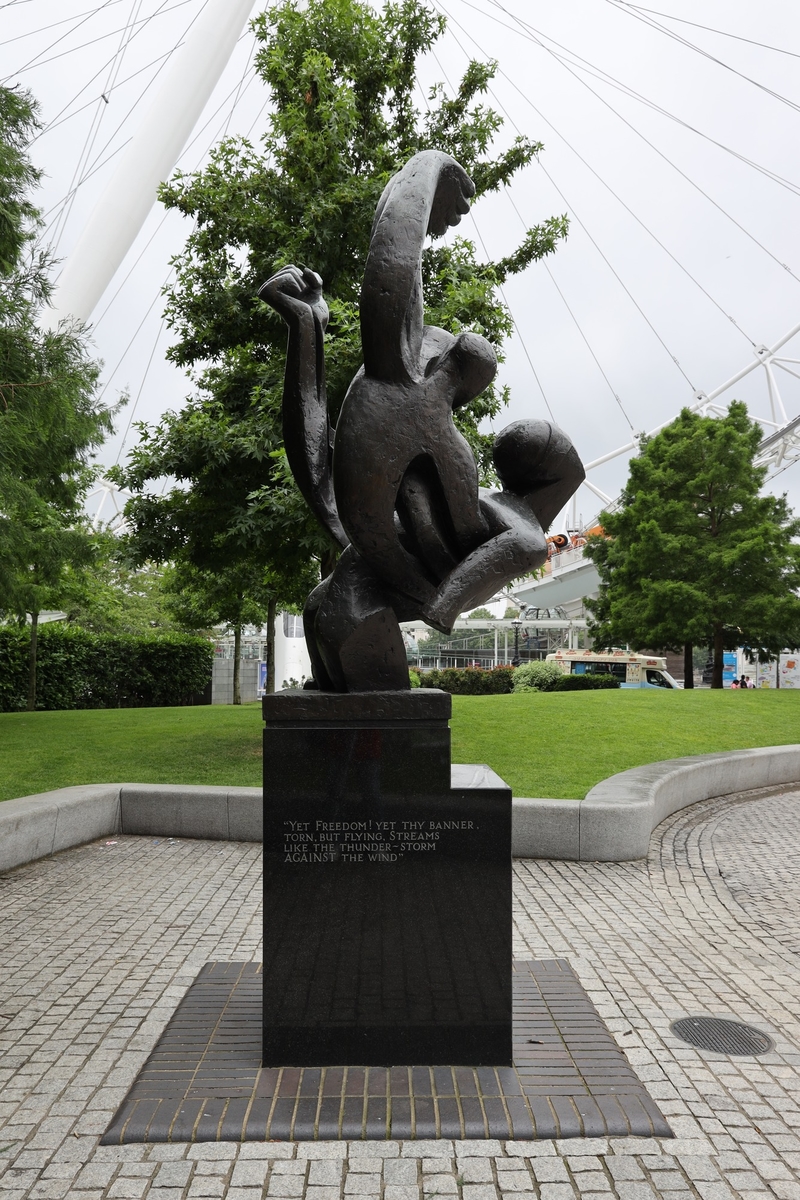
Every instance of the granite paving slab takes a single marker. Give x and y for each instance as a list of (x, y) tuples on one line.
[(204, 1081)]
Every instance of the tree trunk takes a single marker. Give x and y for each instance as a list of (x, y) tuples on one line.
[(716, 677), (688, 665), (32, 663), (272, 610), (237, 650)]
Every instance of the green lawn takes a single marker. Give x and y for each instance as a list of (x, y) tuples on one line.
[(556, 744)]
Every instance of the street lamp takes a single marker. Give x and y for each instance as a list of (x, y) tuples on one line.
[(517, 623)]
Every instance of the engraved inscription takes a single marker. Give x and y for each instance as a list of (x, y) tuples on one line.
[(364, 841)]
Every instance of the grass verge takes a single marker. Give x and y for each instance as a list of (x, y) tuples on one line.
[(556, 745)]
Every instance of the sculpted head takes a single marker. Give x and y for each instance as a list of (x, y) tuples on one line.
[(518, 452)]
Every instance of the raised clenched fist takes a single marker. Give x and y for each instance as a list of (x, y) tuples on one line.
[(292, 290)]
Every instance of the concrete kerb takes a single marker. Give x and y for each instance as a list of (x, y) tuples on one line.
[(613, 823)]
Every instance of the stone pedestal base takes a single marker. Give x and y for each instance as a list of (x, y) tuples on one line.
[(387, 887)]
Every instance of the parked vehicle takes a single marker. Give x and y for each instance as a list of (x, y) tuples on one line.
[(632, 670)]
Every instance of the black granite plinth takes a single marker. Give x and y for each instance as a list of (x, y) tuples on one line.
[(387, 891)]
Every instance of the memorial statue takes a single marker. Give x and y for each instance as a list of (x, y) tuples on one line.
[(396, 484)]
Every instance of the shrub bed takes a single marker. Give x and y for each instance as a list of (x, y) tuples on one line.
[(537, 677), (79, 669), (469, 681)]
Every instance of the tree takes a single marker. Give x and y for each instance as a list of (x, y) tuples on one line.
[(233, 596), (693, 554), (50, 417), (341, 79), (108, 596)]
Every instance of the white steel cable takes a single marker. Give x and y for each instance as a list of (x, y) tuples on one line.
[(32, 62), (82, 169), (602, 181), (722, 32), (64, 21), (541, 166), (670, 33), (602, 76), (101, 37), (559, 58), (59, 118), (500, 289)]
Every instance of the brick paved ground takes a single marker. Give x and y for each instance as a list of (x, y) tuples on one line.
[(98, 944)]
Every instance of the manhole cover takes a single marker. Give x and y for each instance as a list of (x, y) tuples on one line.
[(725, 1037)]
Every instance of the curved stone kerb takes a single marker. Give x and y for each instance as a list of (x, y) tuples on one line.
[(617, 816)]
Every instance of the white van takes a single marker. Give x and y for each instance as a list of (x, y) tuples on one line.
[(632, 670)]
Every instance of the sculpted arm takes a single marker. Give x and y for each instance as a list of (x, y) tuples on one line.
[(307, 432), (430, 193)]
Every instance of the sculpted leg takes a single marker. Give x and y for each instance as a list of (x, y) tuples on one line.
[(540, 470), (517, 546), (318, 668), (356, 632)]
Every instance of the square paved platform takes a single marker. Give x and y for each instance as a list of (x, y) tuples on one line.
[(204, 1080)]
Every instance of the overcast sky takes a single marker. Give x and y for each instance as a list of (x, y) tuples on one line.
[(705, 244)]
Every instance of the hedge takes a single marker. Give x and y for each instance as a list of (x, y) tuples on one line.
[(79, 669), (469, 681), (585, 683)]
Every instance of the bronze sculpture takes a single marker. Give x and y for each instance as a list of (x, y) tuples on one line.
[(396, 484)]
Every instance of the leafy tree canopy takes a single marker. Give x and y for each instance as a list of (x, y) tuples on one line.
[(51, 420), (341, 79), (694, 554)]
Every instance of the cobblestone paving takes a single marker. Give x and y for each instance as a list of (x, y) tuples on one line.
[(98, 944)]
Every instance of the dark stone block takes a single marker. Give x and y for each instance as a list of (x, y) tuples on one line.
[(443, 1081), (334, 1079), (543, 1116), (185, 1120), (328, 1124), (658, 1124), (401, 1120), (496, 1118), (424, 1118), (614, 1115), (449, 1120), (518, 1111), (569, 1123), (353, 1118), (305, 1119), (387, 891), (145, 1119), (355, 746), (591, 1118), (257, 1118), (474, 1122), (234, 1119), (377, 1117), (295, 706), (280, 1127)]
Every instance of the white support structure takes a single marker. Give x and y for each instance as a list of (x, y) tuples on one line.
[(781, 445), (105, 505), (148, 160)]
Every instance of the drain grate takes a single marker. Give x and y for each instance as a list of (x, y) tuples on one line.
[(724, 1037)]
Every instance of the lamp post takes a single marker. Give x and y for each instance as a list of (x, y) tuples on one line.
[(517, 623)]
